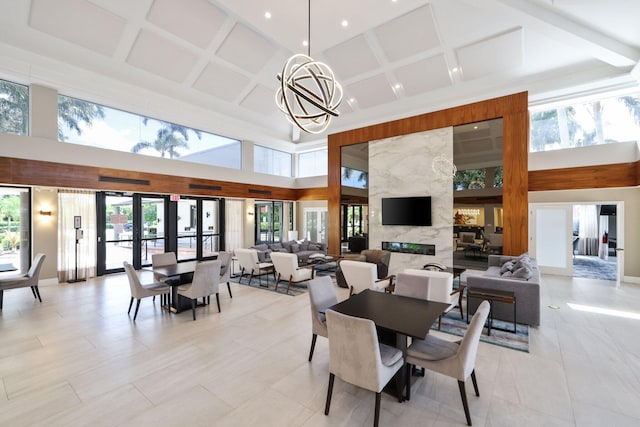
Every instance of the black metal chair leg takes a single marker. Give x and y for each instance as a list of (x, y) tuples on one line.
[(137, 308), (193, 308), (475, 383), (408, 373), (38, 293), (332, 377), (399, 384), (376, 416), (314, 337), (465, 404), (1, 298), (218, 301), (229, 288), (33, 291), (130, 304)]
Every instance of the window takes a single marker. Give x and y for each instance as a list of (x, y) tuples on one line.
[(14, 108), (313, 163), (272, 162), (601, 121), (354, 178), (85, 123), (474, 179)]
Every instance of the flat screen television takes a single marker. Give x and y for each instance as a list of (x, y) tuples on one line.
[(406, 211)]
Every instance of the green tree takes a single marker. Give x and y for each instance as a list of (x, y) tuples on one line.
[(557, 126), (469, 179), (14, 108), (363, 176), (169, 138), (73, 112), (10, 210)]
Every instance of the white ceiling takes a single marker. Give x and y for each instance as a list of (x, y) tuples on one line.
[(394, 59)]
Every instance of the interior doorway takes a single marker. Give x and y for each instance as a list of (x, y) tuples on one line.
[(579, 239)]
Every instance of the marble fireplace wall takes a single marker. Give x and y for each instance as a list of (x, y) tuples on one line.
[(401, 167)]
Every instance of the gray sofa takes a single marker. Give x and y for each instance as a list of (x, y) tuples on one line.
[(302, 249), (519, 275)]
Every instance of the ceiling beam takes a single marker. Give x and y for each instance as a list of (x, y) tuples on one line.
[(599, 45)]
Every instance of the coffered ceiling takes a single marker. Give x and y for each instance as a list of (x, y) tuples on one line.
[(393, 58)]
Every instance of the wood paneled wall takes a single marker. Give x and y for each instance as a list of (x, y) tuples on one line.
[(598, 176), (514, 111), (50, 174)]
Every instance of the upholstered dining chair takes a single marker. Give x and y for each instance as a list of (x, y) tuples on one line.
[(28, 280), (206, 281), (321, 296), (249, 263), (139, 290), (363, 275), (225, 269), (162, 260), (286, 267), (440, 289), (453, 359), (356, 356)]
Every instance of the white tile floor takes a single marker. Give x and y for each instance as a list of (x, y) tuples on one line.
[(78, 359)]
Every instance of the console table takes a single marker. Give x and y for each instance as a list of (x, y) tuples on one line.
[(493, 296)]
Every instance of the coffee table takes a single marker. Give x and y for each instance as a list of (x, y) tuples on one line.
[(324, 260)]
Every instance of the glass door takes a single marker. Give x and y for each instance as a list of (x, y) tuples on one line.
[(15, 230), (269, 216), (152, 227), (115, 231)]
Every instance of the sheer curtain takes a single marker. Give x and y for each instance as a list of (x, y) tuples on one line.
[(72, 203), (587, 229), (234, 226)]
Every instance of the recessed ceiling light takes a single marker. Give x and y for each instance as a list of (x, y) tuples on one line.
[(344, 23), (397, 86), (352, 100), (475, 127), (454, 69), (305, 43), (267, 14)]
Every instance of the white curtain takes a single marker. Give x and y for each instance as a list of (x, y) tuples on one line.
[(234, 224), (71, 204), (587, 229)]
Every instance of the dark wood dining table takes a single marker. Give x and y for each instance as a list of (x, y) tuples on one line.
[(404, 316), (183, 270)]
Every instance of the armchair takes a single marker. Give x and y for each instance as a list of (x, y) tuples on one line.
[(465, 238), (494, 243), (286, 265), (363, 275)]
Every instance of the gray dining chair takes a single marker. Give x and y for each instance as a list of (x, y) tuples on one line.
[(321, 296), (206, 281), (28, 280), (356, 356), (453, 359), (139, 290), (225, 269)]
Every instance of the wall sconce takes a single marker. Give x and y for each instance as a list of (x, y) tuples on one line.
[(250, 211), (45, 212)]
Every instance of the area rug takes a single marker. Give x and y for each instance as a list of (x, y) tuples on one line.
[(452, 324), (269, 284), (590, 267)]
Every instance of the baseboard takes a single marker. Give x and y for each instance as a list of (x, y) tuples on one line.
[(631, 279), (48, 282)]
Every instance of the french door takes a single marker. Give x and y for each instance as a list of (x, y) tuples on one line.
[(269, 222), (131, 227)]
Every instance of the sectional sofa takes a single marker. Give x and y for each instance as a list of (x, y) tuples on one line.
[(519, 275)]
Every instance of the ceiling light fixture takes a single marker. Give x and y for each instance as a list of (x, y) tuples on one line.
[(344, 23), (267, 15), (309, 94)]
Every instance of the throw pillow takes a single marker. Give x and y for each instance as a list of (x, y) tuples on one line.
[(467, 238), (295, 248), (304, 246), (523, 273), (506, 274), (314, 247), (507, 266), (287, 245), (261, 247), (275, 246)]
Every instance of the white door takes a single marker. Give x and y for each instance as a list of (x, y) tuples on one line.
[(550, 238)]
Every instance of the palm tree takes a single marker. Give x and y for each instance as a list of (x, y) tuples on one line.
[(596, 109), (363, 176), (165, 143), (72, 112), (170, 137), (14, 108)]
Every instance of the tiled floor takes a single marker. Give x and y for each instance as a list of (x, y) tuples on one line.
[(78, 359)]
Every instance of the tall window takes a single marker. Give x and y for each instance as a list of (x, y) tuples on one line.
[(353, 221), (14, 108), (313, 163), (601, 121), (86, 123), (270, 161)]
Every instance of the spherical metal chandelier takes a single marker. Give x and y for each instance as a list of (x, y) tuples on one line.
[(309, 94)]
